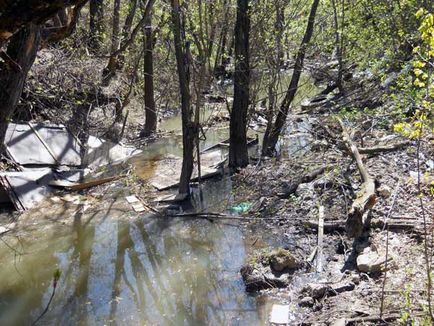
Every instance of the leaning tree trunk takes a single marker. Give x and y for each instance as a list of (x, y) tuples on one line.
[(269, 143), (22, 50), (148, 72), (189, 130), (238, 155), (96, 24)]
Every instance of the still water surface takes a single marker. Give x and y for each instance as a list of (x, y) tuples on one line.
[(121, 269)]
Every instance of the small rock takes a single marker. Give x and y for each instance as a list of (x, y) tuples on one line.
[(384, 191), (282, 259), (317, 291), (343, 287), (307, 302), (370, 261), (305, 191), (355, 279), (258, 278), (317, 307)]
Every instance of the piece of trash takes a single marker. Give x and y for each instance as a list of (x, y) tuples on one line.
[(279, 314), (24, 188), (75, 199), (135, 203), (241, 207)]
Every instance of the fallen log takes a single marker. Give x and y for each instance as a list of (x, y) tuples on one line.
[(383, 148), (290, 188), (366, 197), (394, 225)]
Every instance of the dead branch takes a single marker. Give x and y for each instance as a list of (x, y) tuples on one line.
[(383, 148), (366, 197), (291, 187)]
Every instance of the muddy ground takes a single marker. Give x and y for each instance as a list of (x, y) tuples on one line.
[(343, 290)]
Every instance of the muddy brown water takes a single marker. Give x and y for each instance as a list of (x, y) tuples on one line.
[(120, 269)]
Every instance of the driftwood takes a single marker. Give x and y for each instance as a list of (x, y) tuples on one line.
[(328, 227), (366, 197), (290, 188)]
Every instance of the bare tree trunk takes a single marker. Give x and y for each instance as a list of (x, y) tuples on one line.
[(110, 70), (238, 156), (22, 50), (219, 63), (269, 143), (339, 42), (189, 131), (148, 73), (96, 24), (126, 30)]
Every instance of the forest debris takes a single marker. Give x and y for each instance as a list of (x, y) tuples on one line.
[(289, 188), (366, 197), (321, 290), (306, 302), (383, 148), (320, 238), (329, 226), (384, 191), (317, 290), (257, 277), (81, 185), (279, 314)]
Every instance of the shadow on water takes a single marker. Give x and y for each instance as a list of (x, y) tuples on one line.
[(119, 272)]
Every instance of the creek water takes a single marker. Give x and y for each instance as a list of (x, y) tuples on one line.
[(118, 268)]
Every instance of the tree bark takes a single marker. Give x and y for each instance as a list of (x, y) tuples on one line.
[(112, 65), (269, 143), (238, 156), (189, 131), (96, 24), (148, 73), (22, 50)]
